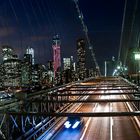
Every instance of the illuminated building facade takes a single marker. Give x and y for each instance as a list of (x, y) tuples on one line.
[(37, 74), (67, 63), (26, 71), (81, 59), (50, 73), (56, 54), (50, 65), (31, 51), (12, 73), (7, 52), (11, 68)]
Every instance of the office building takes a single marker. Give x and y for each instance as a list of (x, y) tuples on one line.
[(26, 71), (81, 70), (7, 52), (67, 63), (12, 73), (11, 68), (56, 54), (37, 74), (50, 65), (31, 51)]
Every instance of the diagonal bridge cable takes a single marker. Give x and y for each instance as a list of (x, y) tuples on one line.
[(85, 29)]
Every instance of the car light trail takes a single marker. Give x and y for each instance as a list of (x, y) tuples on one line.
[(111, 119), (67, 124), (129, 107), (76, 125), (111, 123), (88, 122)]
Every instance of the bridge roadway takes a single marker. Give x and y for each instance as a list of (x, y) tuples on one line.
[(95, 128), (102, 128)]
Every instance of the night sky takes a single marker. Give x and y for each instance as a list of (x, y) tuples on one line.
[(34, 22)]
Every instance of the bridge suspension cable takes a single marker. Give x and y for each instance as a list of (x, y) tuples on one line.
[(122, 30), (85, 29), (123, 50)]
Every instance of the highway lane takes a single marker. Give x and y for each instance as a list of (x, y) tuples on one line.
[(124, 128), (111, 128), (105, 128), (69, 134), (98, 128)]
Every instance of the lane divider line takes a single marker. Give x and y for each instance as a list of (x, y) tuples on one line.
[(87, 124)]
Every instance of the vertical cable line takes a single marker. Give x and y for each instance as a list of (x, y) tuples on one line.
[(28, 18), (131, 29), (34, 13), (17, 20), (122, 31), (33, 32), (40, 10), (90, 47), (52, 12), (54, 20), (55, 17), (46, 6), (37, 20), (40, 5), (5, 22), (47, 9)]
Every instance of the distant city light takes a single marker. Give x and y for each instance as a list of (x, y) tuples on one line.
[(118, 67), (31, 51), (125, 68), (137, 56)]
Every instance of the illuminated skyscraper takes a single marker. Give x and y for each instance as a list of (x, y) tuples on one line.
[(31, 51), (50, 65), (81, 59), (26, 71), (67, 63), (7, 52), (12, 73), (50, 72), (10, 68), (56, 54)]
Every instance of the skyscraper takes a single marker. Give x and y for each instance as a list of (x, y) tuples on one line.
[(11, 68), (50, 72), (7, 52), (81, 59), (56, 54), (31, 51), (50, 65), (67, 63), (26, 71)]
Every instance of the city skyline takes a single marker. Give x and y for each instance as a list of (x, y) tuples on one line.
[(34, 23), (26, 75), (70, 69)]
